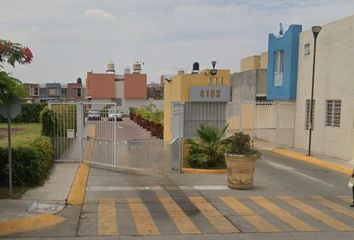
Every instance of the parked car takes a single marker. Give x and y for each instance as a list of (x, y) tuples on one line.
[(118, 115), (94, 115)]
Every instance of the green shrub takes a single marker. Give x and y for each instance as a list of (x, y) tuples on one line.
[(132, 110), (198, 160), (31, 164), (30, 113), (150, 113), (208, 149), (47, 120), (157, 117), (240, 144)]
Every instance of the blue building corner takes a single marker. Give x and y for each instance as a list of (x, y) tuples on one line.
[(282, 64)]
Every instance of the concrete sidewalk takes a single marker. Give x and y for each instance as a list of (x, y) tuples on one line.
[(55, 191), (324, 161)]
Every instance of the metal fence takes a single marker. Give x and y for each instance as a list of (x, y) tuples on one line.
[(271, 122), (66, 130), (203, 113)]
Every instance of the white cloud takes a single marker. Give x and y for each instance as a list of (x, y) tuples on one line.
[(98, 14), (165, 34)]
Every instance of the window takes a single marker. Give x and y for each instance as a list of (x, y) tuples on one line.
[(278, 68), (42, 91), (51, 91), (36, 91), (63, 92), (333, 112), (307, 114), (79, 92), (307, 47)]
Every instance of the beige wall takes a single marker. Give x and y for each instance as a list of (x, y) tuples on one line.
[(254, 62), (264, 60), (250, 63), (334, 79), (177, 90)]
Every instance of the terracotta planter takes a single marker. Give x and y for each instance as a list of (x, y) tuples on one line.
[(154, 129), (138, 120), (240, 171), (157, 130), (148, 125), (132, 116), (160, 135), (144, 123)]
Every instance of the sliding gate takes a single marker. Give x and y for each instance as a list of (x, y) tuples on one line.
[(89, 132)]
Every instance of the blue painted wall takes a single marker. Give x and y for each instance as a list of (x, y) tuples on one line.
[(289, 44)]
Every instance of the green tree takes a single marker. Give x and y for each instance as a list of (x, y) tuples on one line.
[(9, 88), (12, 53)]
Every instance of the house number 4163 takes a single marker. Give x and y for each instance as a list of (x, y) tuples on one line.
[(209, 93)]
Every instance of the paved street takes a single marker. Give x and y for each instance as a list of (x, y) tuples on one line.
[(290, 200)]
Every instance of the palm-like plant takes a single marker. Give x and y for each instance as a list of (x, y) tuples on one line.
[(207, 151)]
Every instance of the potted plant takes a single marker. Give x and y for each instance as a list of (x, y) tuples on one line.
[(156, 127), (240, 160)]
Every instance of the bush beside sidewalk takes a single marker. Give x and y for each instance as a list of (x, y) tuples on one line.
[(31, 163)]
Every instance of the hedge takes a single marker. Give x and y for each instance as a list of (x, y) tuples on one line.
[(47, 120), (55, 123), (31, 164), (30, 113)]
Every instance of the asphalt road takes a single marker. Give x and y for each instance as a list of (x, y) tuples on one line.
[(290, 200)]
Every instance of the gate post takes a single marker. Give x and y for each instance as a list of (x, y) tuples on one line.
[(115, 135), (79, 126)]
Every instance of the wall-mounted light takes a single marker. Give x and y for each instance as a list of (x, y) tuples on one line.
[(213, 71)]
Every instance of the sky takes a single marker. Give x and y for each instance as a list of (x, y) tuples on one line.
[(68, 38)]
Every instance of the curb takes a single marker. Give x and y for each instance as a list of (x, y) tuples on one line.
[(26, 224), (78, 189), (203, 171), (313, 160)]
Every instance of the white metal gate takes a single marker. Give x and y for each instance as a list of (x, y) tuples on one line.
[(89, 132), (66, 135)]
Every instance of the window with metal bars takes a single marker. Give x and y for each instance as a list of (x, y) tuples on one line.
[(333, 113), (307, 114)]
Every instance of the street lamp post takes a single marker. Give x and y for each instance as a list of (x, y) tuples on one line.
[(315, 31)]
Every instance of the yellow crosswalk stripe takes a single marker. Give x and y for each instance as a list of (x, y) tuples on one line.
[(183, 223), (142, 217), (315, 213), (221, 224), (346, 198), (259, 222), (282, 214), (107, 220), (335, 207)]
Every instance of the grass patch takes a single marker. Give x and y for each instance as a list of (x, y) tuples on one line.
[(29, 132)]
